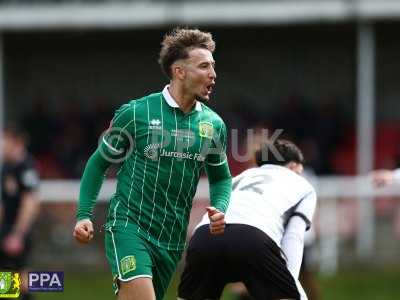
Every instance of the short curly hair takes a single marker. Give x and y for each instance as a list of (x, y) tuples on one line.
[(177, 44)]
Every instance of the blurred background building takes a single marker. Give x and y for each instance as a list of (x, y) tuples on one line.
[(325, 71)]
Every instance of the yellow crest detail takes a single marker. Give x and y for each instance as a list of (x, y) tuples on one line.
[(206, 130), (128, 264), (10, 284)]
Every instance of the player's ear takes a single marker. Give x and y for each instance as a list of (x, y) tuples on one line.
[(178, 71), (295, 167)]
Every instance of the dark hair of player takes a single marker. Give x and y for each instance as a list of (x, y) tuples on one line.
[(177, 44), (286, 152)]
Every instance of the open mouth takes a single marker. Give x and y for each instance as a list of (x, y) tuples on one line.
[(210, 88)]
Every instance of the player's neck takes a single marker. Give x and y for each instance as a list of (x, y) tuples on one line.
[(184, 100)]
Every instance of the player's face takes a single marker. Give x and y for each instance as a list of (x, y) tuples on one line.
[(200, 75)]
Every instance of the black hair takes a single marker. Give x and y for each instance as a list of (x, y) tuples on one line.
[(279, 152)]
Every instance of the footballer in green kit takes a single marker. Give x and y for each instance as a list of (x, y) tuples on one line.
[(163, 141)]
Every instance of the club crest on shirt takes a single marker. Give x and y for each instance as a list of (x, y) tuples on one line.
[(128, 264), (206, 130)]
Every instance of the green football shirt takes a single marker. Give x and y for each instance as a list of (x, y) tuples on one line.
[(162, 151)]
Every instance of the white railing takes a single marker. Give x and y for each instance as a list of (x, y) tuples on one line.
[(329, 190), (327, 187)]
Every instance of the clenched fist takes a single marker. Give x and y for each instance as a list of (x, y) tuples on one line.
[(217, 220), (83, 231)]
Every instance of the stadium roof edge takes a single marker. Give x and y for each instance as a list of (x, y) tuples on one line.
[(153, 14)]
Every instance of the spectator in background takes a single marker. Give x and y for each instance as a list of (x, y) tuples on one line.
[(382, 178), (43, 130), (41, 126), (385, 177), (321, 130), (61, 145), (20, 204)]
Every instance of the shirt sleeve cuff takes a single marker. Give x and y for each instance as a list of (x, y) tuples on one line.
[(305, 219)]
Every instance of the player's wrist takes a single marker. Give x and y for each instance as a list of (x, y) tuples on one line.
[(219, 210), (83, 218)]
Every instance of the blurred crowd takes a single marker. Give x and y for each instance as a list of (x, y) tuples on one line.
[(62, 139), (320, 128)]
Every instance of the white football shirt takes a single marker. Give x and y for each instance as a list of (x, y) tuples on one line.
[(396, 174), (266, 197)]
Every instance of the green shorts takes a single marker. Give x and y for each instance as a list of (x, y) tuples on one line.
[(131, 256)]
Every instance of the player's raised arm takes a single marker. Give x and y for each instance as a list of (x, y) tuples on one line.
[(114, 146)]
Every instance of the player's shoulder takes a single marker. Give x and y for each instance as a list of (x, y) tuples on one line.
[(146, 102), (297, 179), (135, 104), (28, 171), (250, 172), (306, 183), (143, 101), (150, 98), (298, 182), (211, 116), (303, 184)]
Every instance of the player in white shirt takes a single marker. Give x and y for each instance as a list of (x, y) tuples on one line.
[(270, 209)]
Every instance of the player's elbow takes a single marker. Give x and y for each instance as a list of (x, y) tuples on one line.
[(294, 236), (32, 202)]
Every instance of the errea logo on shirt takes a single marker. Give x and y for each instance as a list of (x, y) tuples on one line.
[(155, 124)]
